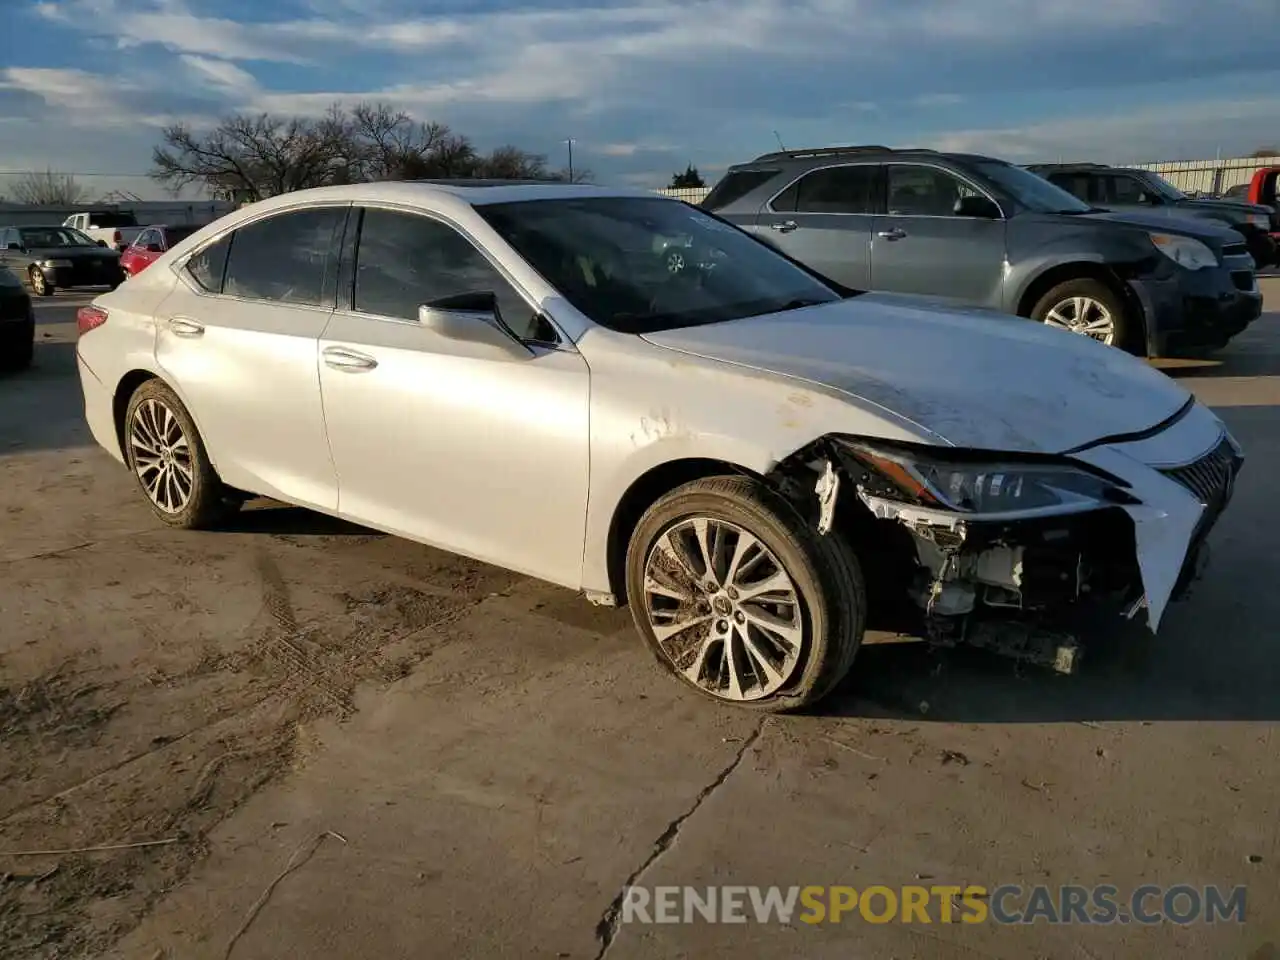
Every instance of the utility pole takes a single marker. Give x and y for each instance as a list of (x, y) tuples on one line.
[(569, 141)]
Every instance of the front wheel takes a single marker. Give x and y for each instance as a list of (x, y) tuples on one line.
[(1087, 307), (39, 285), (169, 461), (742, 599)]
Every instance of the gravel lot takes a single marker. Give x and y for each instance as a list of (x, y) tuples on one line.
[(456, 761)]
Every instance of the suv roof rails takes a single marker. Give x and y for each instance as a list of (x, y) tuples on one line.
[(821, 152), (1079, 164)]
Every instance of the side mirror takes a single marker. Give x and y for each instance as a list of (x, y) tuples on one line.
[(154, 248), (979, 207), (102, 243), (472, 317)]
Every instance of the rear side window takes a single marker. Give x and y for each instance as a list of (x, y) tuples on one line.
[(286, 258), (208, 266), (832, 190), (735, 185), (1124, 189), (113, 220)]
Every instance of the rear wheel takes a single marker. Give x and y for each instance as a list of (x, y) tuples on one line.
[(1087, 307), (741, 599), (168, 459), (39, 285)]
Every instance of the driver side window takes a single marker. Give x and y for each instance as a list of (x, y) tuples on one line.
[(404, 260), (924, 191)]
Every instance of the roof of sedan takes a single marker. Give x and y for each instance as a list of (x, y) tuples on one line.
[(473, 192)]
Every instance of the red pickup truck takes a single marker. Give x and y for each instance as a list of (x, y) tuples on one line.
[(1263, 188)]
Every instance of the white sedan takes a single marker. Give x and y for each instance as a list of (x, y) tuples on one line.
[(747, 454)]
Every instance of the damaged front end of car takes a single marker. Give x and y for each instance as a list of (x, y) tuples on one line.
[(1022, 555)]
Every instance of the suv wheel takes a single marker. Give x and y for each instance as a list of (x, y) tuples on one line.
[(1087, 307), (741, 599)]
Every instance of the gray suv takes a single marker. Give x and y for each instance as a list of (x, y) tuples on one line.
[(979, 230)]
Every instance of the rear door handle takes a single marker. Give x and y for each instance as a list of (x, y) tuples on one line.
[(349, 361), (897, 233), (184, 327), (786, 226)]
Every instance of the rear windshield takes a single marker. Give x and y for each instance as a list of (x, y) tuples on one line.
[(734, 186)]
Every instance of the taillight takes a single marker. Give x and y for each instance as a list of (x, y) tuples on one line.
[(89, 318)]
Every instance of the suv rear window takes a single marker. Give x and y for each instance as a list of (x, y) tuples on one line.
[(735, 185)]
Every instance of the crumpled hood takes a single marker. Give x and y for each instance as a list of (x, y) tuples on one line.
[(973, 378)]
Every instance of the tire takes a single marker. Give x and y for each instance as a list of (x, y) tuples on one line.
[(39, 285), (207, 502), (1123, 326), (827, 616)]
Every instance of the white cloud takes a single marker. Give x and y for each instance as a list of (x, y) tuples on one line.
[(1180, 131), (938, 100), (87, 99), (221, 73)]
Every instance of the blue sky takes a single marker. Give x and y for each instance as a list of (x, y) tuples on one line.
[(646, 86)]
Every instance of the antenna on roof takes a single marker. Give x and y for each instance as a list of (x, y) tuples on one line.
[(782, 146)]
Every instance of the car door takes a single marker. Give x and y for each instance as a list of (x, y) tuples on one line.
[(136, 256), (921, 245), (824, 220), (238, 338), (448, 441)]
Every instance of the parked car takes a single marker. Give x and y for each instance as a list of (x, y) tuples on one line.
[(1119, 188), (1263, 189), (115, 229), (17, 323), (751, 456), (152, 242), (53, 257), (981, 231)]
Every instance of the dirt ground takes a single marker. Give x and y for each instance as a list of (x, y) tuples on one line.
[(298, 738)]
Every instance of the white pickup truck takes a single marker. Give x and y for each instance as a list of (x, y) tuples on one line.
[(116, 229)]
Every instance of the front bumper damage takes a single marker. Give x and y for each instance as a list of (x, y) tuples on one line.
[(1036, 588)]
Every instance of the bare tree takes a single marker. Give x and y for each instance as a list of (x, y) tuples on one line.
[(48, 189), (251, 158), (1266, 152)]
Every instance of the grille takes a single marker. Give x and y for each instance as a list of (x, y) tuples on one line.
[(1208, 478), (1235, 250), (1243, 279)]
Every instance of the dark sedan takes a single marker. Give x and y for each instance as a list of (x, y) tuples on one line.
[(17, 323), (57, 256)]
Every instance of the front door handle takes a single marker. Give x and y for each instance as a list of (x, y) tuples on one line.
[(348, 361), (185, 327), (897, 233), (786, 226)]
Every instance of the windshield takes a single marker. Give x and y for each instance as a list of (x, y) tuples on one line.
[(37, 237), (1162, 186), (1029, 189), (638, 265)]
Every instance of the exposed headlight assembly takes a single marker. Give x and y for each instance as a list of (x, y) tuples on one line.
[(983, 490), (1184, 251)]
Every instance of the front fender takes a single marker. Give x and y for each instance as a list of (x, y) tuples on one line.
[(651, 406)]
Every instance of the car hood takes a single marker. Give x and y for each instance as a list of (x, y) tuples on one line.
[(1175, 220), (71, 253), (972, 378), (1238, 208)]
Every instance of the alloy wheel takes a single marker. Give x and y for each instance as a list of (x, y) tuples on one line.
[(1084, 315), (675, 262), (37, 282), (161, 456), (723, 609)]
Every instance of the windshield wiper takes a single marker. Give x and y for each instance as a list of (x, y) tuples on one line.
[(801, 302)]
